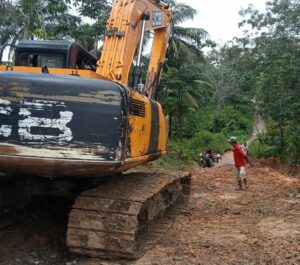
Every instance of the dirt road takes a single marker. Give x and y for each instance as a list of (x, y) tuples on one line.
[(219, 226), (225, 226)]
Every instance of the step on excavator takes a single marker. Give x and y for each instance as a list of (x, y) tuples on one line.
[(67, 118)]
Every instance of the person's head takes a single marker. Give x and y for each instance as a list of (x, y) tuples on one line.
[(245, 144), (233, 140)]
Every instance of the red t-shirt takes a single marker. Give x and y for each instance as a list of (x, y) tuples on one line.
[(239, 155)]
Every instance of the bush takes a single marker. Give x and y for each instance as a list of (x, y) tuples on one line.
[(232, 121), (218, 142), (269, 145), (178, 156), (186, 152), (207, 128), (260, 149)]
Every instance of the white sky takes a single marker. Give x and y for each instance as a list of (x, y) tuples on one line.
[(220, 17)]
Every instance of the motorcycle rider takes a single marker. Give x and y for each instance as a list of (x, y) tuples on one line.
[(209, 152), (206, 158)]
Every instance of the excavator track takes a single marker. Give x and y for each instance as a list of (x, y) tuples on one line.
[(126, 216)]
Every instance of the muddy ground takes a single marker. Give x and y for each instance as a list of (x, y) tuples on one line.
[(260, 225)]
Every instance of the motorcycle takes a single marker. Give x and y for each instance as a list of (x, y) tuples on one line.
[(206, 160)]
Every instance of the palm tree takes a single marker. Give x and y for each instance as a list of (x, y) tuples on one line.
[(187, 81), (98, 11), (44, 19), (188, 39), (185, 87)]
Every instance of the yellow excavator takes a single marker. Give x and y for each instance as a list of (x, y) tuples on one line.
[(64, 116)]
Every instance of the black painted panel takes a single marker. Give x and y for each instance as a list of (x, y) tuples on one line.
[(63, 111), (154, 136)]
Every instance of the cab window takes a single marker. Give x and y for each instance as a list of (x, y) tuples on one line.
[(39, 60), (84, 62)]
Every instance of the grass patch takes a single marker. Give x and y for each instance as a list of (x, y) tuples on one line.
[(208, 204), (261, 210)]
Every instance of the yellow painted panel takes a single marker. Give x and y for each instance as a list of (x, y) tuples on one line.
[(140, 128), (54, 71), (163, 134)]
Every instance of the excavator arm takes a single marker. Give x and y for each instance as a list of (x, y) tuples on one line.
[(124, 36)]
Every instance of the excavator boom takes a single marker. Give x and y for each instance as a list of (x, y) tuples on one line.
[(123, 39)]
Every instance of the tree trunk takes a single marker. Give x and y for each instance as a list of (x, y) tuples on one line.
[(180, 122), (170, 126)]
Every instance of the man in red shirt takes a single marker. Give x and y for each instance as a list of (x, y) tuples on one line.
[(240, 161)]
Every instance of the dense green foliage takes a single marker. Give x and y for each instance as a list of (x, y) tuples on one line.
[(208, 128), (25, 19), (275, 78), (44, 19), (203, 99), (210, 98)]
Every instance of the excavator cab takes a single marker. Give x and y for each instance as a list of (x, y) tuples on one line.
[(52, 54)]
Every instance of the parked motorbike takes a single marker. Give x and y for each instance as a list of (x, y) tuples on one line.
[(206, 160)]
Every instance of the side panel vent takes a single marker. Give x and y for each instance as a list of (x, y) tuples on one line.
[(137, 108)]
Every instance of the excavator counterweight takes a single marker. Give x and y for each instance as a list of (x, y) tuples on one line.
[(55, 130)]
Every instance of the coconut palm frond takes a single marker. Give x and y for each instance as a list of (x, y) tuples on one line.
[(203, 83), (182, 12), (191, 100), (183, 44), (190, 33)]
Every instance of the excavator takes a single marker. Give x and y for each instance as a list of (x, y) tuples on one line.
[(68, 118)]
